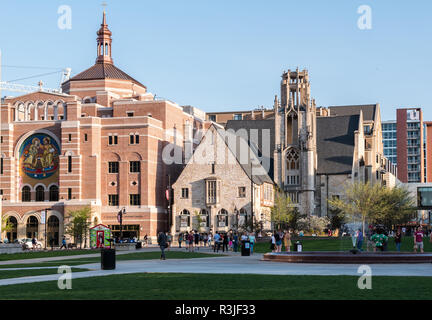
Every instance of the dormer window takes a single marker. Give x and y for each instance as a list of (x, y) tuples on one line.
[(130, 113)]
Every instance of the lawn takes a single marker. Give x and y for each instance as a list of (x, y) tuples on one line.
[(129, 256), (8, 274), (45, 254), (155, 286), (340, 244)]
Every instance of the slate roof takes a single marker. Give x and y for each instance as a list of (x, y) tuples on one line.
[(257, 173), (260, 125), (335, 144), (369, 111), (104, 71)]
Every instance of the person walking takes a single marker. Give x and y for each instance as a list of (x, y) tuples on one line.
[(191, 241), (169, 240), (209, 240), (287, 240), (63, 243), (216, 242), (145, 240), (180, 239), (196, 238), (162, 241), (252, 242), (398, 239), (273, 242), (235, 242), (205, 238), (225, 242), (359, 240), (418, 238), (230, 244), (34, 242)]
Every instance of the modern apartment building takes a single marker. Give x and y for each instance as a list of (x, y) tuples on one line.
[(403, 142)]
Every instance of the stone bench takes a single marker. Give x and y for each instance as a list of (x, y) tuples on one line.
[(125, 246), (10, 248)]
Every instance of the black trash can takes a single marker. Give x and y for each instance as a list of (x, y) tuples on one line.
[(245, 250), (108, 259), (138, 245)]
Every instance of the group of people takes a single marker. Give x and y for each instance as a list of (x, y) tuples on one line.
[(278, 237), (379, 238)]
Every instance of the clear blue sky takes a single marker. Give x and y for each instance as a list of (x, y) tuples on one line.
[(229, 55)]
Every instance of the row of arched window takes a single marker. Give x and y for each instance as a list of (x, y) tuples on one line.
[(53, 194), (32, 226)]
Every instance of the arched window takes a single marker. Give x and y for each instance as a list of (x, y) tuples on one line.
[(205, 221), (40, 193), (222, 218), (184, 218), (53, 193), (292, 160), (53, 231), (32, 227), (25, 194), (11, 233)]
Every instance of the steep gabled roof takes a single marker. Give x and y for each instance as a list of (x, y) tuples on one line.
[(335, 143)]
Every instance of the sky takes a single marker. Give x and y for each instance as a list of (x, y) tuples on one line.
[(226, 55)]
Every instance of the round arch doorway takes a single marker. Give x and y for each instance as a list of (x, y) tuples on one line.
[(32, 227), (53, 231), (11, 234)]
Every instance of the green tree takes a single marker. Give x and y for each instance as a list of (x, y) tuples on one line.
[(79, 224), (374, 203), (6, 225), (283, 213)]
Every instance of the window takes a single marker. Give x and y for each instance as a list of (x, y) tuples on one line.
[(134, 200), (222, 218), (242, 192), (130, 113), (134, 166), (185, 193), (1, 165), (212, 117), (1, 139), (184, 218), (213, 168), (131, 139), (113, 167), (85, 137), (25, 194), (40, 193), (211, 191), (70, 137), (69, 193), (115, 140), (69, 163), (53, 193), (113, 199), (238, 116), (112, 139), (136, 138)]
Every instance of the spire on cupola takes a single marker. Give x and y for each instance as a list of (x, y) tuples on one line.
[(104, 43)]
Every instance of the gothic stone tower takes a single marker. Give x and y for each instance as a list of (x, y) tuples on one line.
[(295, 158)]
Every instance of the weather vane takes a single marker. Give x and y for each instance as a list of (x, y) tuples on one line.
[(104, 5)]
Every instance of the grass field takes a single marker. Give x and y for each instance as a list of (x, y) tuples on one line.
[(154, 286), (45, 254), (341, 244), (123, 257), (8, 274)]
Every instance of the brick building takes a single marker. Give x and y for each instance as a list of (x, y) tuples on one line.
[(100, 143)]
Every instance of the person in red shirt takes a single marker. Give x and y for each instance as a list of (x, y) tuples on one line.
[(418, 238)]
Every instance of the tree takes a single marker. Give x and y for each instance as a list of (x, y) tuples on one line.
[(283, 213), (374, 203), (6, 225), (196, 221), (79, 224)]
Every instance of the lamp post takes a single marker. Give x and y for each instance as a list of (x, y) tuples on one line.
[(120, 220), (45, 222)]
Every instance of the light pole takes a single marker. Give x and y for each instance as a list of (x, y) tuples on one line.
[(120, 220), (45, 222)]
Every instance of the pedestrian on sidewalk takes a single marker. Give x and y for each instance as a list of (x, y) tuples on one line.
[(225, 243), (273, 242), (169, 240), (278, 239), (216, 245), (418, 238), (398, 239), (162, 241), (209, 240), (196, 238), (287, 240), (180, 239), (191, 241), (235, 242), (359, 240), (63, 243), (252, 242)]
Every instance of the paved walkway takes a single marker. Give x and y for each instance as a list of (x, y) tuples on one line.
[(233, 264)]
